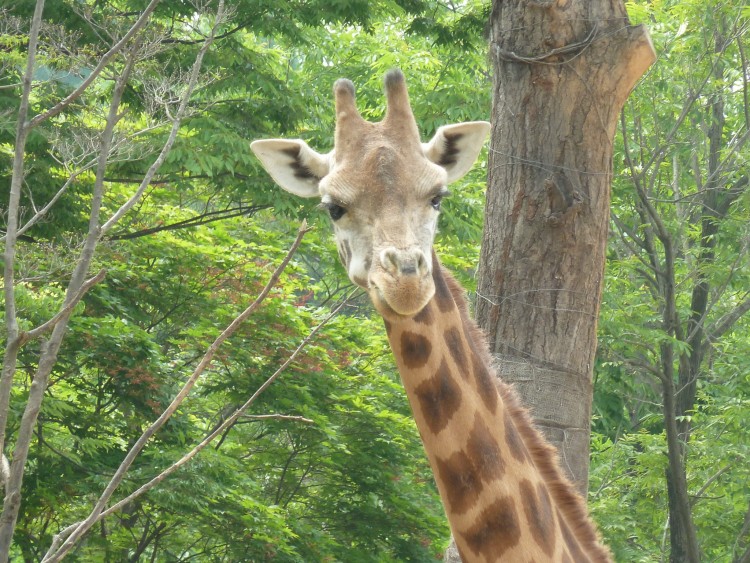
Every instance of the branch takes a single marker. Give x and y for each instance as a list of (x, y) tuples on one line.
[(740, 543), (58, 550), (202, 219), (641, 364), (220, 36), (174, 176), (697, 496), (731, 194), (43, 211), (11, 237), (727, 321), (286, 416)]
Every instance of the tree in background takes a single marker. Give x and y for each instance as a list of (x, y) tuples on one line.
[(562, 71), (676, 297)]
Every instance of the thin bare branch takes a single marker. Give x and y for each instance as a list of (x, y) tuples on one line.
[(697, 496), (11, 236), (725, 323), (283, 416), (103, 62), (44, 210), (202, 219)]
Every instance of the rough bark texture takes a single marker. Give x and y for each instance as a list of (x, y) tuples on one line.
[(562, 72)]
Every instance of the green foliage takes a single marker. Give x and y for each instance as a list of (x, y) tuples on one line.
[(327, 465), (684, 162), (337, 473)]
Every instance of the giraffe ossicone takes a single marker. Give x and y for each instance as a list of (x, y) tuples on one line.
[(503, 491)]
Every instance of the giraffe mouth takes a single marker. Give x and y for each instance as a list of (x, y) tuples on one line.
[(401, 298)]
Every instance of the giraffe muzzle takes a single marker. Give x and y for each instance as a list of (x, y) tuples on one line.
[(401, 282)]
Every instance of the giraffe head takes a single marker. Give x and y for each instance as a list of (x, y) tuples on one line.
[(382, 188)]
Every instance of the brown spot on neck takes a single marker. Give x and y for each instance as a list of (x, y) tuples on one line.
[(485, 452), (513, 439), (425, 316), (485, 381), (496, 530), (415, 349), (439, 398), (462, 484), (454, 343), (539, 515)]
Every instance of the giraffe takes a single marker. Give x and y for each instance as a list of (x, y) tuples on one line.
[(503, 492)]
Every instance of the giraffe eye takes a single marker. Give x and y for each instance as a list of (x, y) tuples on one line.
[(335, 211), (436, 201)]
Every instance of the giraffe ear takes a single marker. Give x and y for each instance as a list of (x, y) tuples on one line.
[(292, 164), (456, 147)]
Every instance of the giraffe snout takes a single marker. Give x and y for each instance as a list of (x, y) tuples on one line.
[(400, 281)]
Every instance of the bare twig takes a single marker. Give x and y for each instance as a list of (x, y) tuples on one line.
[(103, 62), (726, 322), (697, 496), (202, 219), (11, 236), (282, 416), (64, 312), (43, 211)]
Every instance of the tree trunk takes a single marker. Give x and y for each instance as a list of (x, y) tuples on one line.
[(562, 72)]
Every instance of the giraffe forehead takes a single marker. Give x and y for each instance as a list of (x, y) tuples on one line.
[(381, 175)]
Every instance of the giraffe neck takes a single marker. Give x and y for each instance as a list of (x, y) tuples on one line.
[(501, 486)]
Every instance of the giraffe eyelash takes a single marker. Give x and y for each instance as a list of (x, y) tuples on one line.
[(437, 198), (335, 211)]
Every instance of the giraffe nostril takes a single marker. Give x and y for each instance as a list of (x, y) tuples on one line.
[(422, 265), (389, 260)]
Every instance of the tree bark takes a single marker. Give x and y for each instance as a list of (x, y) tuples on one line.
[(562, 72)]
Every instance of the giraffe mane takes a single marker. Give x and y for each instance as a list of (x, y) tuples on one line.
[(571, 505)]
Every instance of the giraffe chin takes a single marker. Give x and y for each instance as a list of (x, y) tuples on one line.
[(394, 302)]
